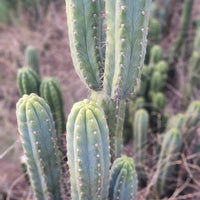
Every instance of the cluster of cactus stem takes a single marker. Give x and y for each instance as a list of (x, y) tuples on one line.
[(108, 46), (29, 81)]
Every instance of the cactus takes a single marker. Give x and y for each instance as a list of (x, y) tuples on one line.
[(154, 31), (127, 29), (171, 146), (88, 151), (115, 114), (28, 81), (156, 54), (176, 121), (50, 90), (141, 122), (32, 59), (87, 36), (38, 138), (162, 67), (159, 100), (191, 122), (194, 70), (157, 82), (123, 183)]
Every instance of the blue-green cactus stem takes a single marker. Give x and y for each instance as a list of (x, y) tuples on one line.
[(38, 137), (115, 114), (141, 122), (176, 121), (28, 81), (32, 59), (88, 151), (192, 121), (159, 100), (123, 183), (127, 28), (87, 38), (171, 146), (50, 90)]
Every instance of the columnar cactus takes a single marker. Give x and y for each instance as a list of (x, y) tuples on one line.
[(32, 59), (115, 114), (141, 122), (156, 54), (127, 28), (157, 82), (176, 121), (38, 137), (28, 81), (87, 36), (88, 151), (123, 183), (50, 90), (171, 146), (159, 100)]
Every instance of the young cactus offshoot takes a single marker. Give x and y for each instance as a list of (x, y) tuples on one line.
[(28, 81), (50, 90), (38, 138), (123, 183), (88, 151)]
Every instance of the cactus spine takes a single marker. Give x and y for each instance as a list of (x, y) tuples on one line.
[(88, 151), (32, 59), (127, 30), (28, 81), (38, 137), (86, 35), (171, 146), (50, 90), (141, 122), (123, 184)]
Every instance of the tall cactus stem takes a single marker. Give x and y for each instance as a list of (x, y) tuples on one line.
[(88, 151), (38, 136)]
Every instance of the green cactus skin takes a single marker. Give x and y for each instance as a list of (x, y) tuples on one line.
[(159, 100), (194, 69), (28, 81), (127, 22), (139, 103), (171, 146), (87, 37), (154, 31), (88, 151), (32, 59), (156, 54), (141, 122), (176, 121), (115, 114), (162, 67), (38, 138), (123, 183), (157, 82), (192, 120), (50, 90)]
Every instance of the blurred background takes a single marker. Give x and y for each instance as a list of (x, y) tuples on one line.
[(43, 24)]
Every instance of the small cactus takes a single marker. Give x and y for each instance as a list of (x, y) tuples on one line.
[(159, 100), (141, 122), (50, 90), (157, 82), (162, 67), (156, 54), (38, 137), (176, 121), (123, 183), (171, 146), (88, 151), (28, 81), (32, 59)]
